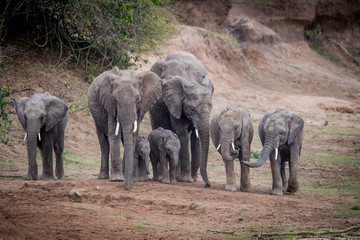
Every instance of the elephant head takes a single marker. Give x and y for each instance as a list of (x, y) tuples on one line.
[(226, 129), (278, 128), (39, 113), (170, 146), (191, 100), (127, 97)]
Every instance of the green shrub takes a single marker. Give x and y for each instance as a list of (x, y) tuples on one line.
[(5, 113), (107, 32)]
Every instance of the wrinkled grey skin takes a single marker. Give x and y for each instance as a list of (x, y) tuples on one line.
[(124, 97), (233, 127), (284, 130), (165, 149), (47, 115), (185, 105), (141, 159)]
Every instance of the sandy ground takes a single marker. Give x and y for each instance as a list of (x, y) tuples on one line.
[(287, 76)]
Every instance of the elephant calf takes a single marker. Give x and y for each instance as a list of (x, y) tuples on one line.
[(232, 133), (165, 148), (281, 134), (44, 118), (141, 159)]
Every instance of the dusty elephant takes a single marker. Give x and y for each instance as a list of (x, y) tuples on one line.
[(141, 159), (185, 108), (232, 133), (281, 134), (44, 118), (118, 101), (165, 149)]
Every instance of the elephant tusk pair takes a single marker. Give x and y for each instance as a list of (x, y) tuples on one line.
[(26, 136), (118, 127), (276, 153), (232, 145)]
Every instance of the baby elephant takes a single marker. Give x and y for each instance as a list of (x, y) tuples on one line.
[(165, 148), (281, 134), (141, 159), (44, 119), (231, 134)]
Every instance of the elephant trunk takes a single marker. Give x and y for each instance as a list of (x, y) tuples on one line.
[(265, 153), (226, 145), (32, 150), (147, 160), (204, 138), (128, 155)]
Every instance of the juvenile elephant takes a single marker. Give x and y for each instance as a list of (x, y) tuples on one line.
[(185, 108), (141, 159), (232, 133), (165, 148), (118, 101), (44, 119), (281, 134)]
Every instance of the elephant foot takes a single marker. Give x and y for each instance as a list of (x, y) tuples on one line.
[(116, 177), (173, 181), (277, 192), (185, 178), (59, 173), (245, 188), (195, 177), (143, 179), (292, 188), (30, 176), (165, 180), (47, 176), (103, 175), (230, 187)]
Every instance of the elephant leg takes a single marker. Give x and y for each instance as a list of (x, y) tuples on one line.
[(283, 176), (47, 158), (136, 169), (275, 170), (245, 184), (105, 148), (154, 163), (230, 176), (165, 170), (195, 156), (184, 157), (293, 185), (116, 168), (59, 169)]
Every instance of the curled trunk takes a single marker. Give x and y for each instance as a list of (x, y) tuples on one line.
[(265, 153)]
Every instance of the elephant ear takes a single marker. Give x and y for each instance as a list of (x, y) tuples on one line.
[(150, 85), (56, 111), (296, 126), (173, 94), (157, 68), (105, 93), (20, 108)]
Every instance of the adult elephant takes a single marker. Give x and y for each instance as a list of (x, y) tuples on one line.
[(232, 133), (118, 101), (185, 108), (44, 118), (281, 134)]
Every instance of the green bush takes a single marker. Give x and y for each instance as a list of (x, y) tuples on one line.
[(5, 112), (107, 32)]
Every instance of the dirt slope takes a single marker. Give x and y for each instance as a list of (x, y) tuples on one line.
[(266, 70)]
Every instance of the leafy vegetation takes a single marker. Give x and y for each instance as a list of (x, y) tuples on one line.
[(5, 113), (93, 33), (193, 206), (321, 51)]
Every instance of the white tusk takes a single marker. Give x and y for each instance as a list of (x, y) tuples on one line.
[(25, 136), (39, 136), (233, 146), (218, 147), (117, 128), (197, 133), (276, 154), (135, 126)]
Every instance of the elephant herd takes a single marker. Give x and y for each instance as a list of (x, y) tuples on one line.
[(177, 92)]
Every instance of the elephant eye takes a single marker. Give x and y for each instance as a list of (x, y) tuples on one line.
[(236, 126), (138, 98), (282, 132), (113, 100)]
